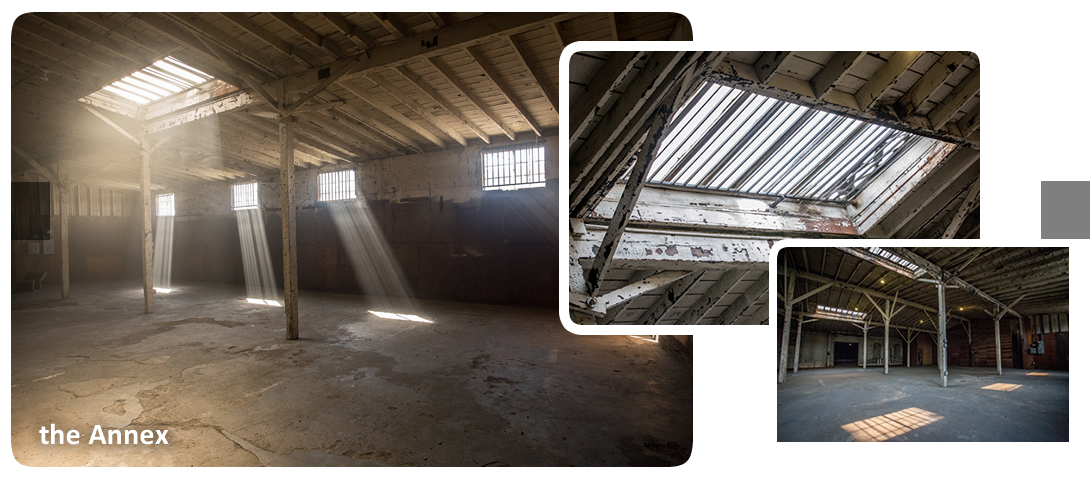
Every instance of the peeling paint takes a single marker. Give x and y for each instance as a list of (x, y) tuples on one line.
[(671, 250), (701, 252)]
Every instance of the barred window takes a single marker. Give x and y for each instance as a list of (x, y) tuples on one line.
[(513, 167), (244, 196), (337, 185), (164, 205)]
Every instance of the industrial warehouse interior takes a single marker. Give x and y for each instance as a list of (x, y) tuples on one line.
[(299, 239), (686, 167), (923, 344)]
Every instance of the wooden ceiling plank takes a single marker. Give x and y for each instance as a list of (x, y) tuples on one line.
[(886, 76), (344, 129), (457, 36), (711, 297), (769, 64), (384, 19), (614, 33), (184, 37), (438, 19), (353, 32), (505, 90), (442, 102), (931, 80), (963, 92), (415, 107), (838, 66), (451, 78), (260, 62), (381, 128), (105, 41), (169, 47), (608, 78), (231, 61), (734, 311), (265, 36), (337, 71), (970, 123), (362, 94), (319, 150), (318, 41), (539, 79), (972, 200), (667, 299)]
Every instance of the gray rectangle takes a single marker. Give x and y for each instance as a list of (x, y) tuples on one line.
[(1064, 211)]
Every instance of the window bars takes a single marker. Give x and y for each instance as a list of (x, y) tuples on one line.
[(730, 140), (164, 205), (244, 196), (337, 185), (513, 167)]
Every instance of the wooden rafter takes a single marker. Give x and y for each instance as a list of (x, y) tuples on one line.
[(508, 94), (449, 76)]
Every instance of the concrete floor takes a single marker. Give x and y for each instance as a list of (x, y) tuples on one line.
[(481, 385), (909, 405)]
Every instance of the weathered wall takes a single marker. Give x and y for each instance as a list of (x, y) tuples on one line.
[(1052, 331), (818, 347), (104, 235), (453, 240)]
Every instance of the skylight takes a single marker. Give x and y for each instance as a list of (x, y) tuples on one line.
[(886, 259), (839, 314), (726, 139), (155, 82)]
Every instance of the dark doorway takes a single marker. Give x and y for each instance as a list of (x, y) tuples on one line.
[(845, 353)]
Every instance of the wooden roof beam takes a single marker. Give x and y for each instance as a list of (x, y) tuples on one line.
[(539, 79), (362, 94), (274, 41), (443, 103), (836, 69), (325, 44), (931, 81), (769, 64), (481, 105), (955, 100), (608, 78), (416, 108), (185, 38), (388, 23), (508, 94), (353, 32), (940, 274), (885, 77)]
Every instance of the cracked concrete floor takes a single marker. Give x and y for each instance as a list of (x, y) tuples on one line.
[(480, 385), (852, 404)]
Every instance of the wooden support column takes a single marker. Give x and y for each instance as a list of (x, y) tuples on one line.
[(998, 349), (146, 243), (786, 327), (65, 191), (886, 355), (942, 331), (866, 327), (798, 347), (287, 218)]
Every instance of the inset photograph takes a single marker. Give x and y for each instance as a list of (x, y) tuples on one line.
[(922, 344), (685, 166)]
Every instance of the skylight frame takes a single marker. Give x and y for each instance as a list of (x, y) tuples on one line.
[(164, 78), (734, 141)]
